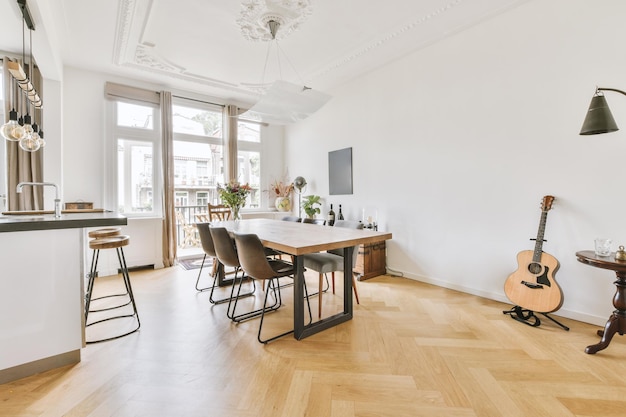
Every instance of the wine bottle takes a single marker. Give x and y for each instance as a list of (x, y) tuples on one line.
[(340, 213), (331, 216)]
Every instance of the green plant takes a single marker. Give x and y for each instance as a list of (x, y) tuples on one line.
[(309, 203)]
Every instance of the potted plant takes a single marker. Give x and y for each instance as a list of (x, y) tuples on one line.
[(309, 203)]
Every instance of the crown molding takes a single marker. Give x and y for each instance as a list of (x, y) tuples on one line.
[(130, 52), (381, 41)]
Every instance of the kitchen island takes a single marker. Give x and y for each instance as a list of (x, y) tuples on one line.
[(41, 289)]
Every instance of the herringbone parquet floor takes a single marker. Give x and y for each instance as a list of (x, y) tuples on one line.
[(412, 349)]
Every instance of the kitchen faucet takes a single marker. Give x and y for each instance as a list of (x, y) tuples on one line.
[(57, 201)]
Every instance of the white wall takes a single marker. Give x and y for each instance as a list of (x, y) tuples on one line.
[(457, 144)]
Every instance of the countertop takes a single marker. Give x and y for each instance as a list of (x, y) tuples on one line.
[(68, 220)]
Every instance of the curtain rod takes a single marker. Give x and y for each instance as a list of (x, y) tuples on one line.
[(199, 101), (221, 105)]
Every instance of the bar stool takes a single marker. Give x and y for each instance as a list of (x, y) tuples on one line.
[(97, 234), (117, 242), (106, 232)]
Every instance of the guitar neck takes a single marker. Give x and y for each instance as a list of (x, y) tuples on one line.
[(540, 234)]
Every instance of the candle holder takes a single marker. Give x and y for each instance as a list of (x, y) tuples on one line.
[(370, 218)]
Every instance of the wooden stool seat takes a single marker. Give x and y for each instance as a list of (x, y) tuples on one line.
[(109, 242), (106, 232), (110, 239)]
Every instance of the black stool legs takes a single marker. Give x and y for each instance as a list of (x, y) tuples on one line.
[(116, 242)]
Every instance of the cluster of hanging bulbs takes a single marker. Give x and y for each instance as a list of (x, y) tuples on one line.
[(23, 129)]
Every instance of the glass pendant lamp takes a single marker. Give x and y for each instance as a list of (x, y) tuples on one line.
[(7, 129), (29, 142), (41, 140)]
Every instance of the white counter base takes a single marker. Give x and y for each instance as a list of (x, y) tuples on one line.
[(41, 288)]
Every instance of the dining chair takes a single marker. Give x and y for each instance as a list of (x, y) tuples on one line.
[(219, 212), (273, 252), (291, 219), (321, 222), (226, 254), (209, 250), (258, 267), (332, 261), (206, 242), (203, 218)]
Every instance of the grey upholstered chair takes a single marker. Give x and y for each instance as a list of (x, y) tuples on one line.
[(209, 250), (226, 254), (320, 222), (332, 261), (291, 219), (256, 265)]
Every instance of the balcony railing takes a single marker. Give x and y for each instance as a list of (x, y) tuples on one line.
[(186, 233)]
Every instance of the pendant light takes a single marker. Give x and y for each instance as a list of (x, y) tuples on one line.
[(23, 129), (37, 132), (18, 132), (7, 129), (29, 142)]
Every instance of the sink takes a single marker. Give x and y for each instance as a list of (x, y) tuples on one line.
[(42, 212)]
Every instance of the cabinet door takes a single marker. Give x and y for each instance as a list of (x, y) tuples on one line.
[(378, 261), (361, 259), (371, 260)]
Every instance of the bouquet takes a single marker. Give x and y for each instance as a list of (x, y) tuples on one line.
[(234, 195)]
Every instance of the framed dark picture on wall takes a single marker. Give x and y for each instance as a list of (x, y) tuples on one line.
[(340, 171)]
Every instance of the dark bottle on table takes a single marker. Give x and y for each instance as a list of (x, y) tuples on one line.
[(340, 213), (331, 216)]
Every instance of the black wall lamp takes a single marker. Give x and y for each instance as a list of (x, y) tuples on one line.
[(599, 118)]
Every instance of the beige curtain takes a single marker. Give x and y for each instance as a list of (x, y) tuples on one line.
[(21, 165), (169, 224), (230, 148)]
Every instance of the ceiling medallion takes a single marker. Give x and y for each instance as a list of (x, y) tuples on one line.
[(256, 14)]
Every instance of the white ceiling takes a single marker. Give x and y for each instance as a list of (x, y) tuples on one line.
[(197, 45)]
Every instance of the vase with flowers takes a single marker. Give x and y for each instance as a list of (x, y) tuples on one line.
[(233, 195), (282, 191)]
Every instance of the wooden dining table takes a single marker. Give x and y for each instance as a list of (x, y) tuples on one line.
[(298, 239)]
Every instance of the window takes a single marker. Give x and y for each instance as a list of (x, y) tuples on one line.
[(249, 159), (137, 142), (181, 198), (135, 115), (134, 176), (202, 198), (198, 153), (135, 185), (202, 172)]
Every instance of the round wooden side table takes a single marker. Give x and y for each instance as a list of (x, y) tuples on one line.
[(617, 322)]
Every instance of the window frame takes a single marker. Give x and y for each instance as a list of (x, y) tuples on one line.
[(200, 139), (249, 146), (135, 134)]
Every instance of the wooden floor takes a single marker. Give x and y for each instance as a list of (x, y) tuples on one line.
[(411, 350)]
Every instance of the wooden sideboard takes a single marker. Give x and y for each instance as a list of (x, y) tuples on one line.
[(371, 261)]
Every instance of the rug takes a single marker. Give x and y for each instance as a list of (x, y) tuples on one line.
[(194, 263)]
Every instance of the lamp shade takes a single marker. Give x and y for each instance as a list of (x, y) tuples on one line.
[(599, 118), (286, 103)]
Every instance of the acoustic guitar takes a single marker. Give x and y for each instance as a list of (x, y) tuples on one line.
[(532, 285)]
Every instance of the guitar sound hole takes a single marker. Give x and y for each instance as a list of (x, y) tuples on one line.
[(535, 268)]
